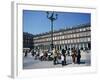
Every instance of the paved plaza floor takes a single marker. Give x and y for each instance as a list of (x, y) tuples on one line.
[(30, 63)]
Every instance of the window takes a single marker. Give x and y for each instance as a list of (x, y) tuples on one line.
[(53, 38), (55, 42), (83, 29), (62, 37), (89, 39), (71, 35), (81, 39), (77, 30), (62, 42), (68, 41), (65, 41), (77, 40), (80, 29), (58, 38), (85, 39), (71, 41), (65, 36), (74, 35), (77, 35), (74, 40), (68, 36), (60, 33)]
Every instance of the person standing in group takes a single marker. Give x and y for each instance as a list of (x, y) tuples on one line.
[(78, 56), (63, 53), (37, 55), (74, 55), (68, 53), (41, 55), (62, 59), (54, 56)]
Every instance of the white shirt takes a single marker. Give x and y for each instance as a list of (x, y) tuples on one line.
[(62, 58)]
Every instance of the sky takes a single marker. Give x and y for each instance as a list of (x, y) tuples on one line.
[(36, 22)]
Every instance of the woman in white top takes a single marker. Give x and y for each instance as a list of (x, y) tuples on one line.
[(62, 60)]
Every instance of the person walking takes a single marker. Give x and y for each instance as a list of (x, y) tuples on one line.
[(54, 56)]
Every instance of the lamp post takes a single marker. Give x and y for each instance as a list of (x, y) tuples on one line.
[(52, 17)]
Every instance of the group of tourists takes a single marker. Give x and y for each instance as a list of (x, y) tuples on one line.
[(56, 55), (76, 55)]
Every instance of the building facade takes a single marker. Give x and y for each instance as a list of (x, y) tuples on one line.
[(78, 37), (27, 40)]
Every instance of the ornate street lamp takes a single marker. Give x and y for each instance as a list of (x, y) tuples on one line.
[(52, 17)]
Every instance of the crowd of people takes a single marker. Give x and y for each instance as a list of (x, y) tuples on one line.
[(56, 55), (76, 55)]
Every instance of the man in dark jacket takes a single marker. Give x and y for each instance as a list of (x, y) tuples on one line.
[(78, 56), (63, 53)]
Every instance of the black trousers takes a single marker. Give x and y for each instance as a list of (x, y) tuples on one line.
[(55, 60), (62, 63), (78, 60)]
